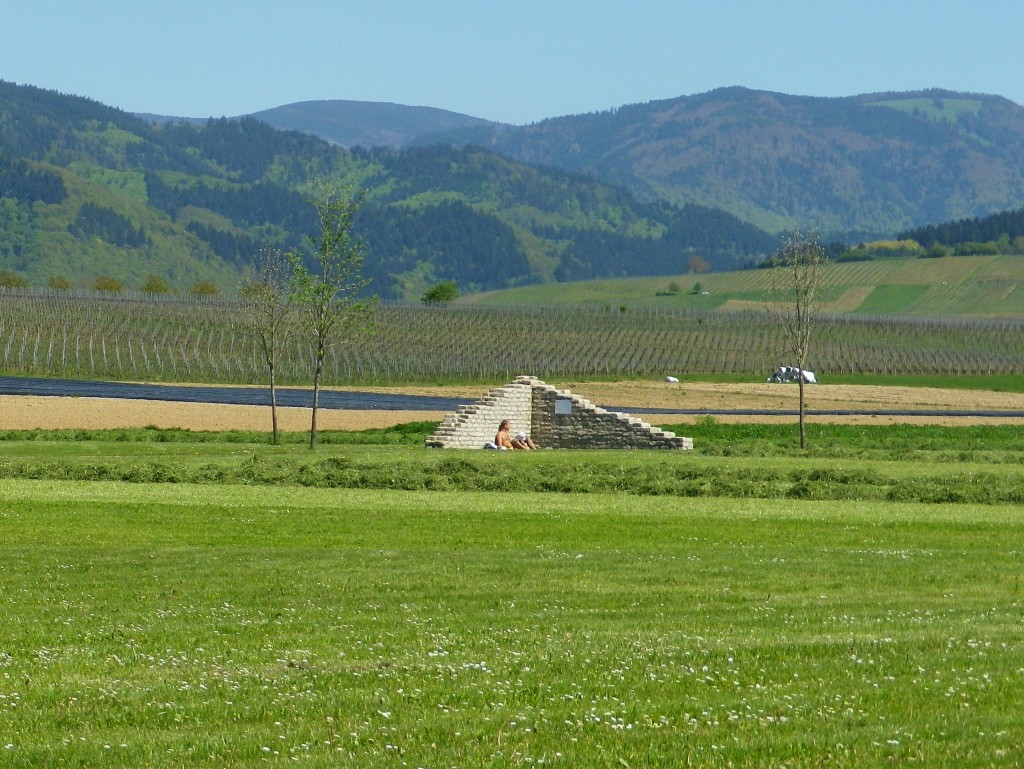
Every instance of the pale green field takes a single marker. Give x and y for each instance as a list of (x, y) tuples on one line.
[(977, 286), (179, 625)]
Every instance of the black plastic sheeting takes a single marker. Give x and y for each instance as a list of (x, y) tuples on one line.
[(238, 396), (368, 401)]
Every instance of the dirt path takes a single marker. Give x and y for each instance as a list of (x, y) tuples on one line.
[(48, 413)]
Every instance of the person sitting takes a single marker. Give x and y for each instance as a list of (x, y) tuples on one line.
[(504, 440), (522, 441)]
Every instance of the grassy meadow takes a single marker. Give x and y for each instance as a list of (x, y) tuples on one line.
[(173, 599)]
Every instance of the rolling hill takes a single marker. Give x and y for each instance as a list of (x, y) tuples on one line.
[(854, 168), (350, 123), (366, 124)]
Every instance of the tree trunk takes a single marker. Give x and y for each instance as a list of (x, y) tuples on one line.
[(316, 399), (273, 406), (800, 382)]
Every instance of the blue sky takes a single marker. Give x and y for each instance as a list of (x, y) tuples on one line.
[(516, 61)]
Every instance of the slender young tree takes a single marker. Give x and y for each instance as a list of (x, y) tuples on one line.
[(270, 313), (795, 280), (332, 310)]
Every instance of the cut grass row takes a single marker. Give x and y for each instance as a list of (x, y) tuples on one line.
[(898, 463), (164, 626)]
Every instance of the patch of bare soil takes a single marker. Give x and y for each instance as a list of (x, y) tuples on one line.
[(18, 412), (762, 395), (48, 413)]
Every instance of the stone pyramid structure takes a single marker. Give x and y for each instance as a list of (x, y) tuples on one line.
[(553, 418)]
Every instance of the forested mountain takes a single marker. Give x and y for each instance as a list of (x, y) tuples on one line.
[(353, 123), (364, 123), (87, 190), (853, 168)]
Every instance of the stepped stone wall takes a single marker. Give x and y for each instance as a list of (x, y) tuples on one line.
[(553, 418), (470, 427)]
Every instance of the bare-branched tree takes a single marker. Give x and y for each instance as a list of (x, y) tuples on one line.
[(270, 313), (794, 284)]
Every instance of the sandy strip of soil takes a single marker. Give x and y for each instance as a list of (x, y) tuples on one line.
[(761, 395), (22, 412), (842, 419), (48, 413)]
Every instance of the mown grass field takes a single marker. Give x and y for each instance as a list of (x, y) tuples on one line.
[(907, 463), (223, 602)]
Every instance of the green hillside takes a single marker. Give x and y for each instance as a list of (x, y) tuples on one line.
[(975, 286), (42, 242)]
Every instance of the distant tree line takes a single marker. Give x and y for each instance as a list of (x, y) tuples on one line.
[(250, 205), (477, 174), (250, 148), (18, 179), (235, 248), (476, 249), (720, 238), (59, 128), (1000, 233), (1005, 227), (881, 249), (94, 221), (831, 251)]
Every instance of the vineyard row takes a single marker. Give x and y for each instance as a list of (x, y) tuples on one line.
[(168, 340)]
